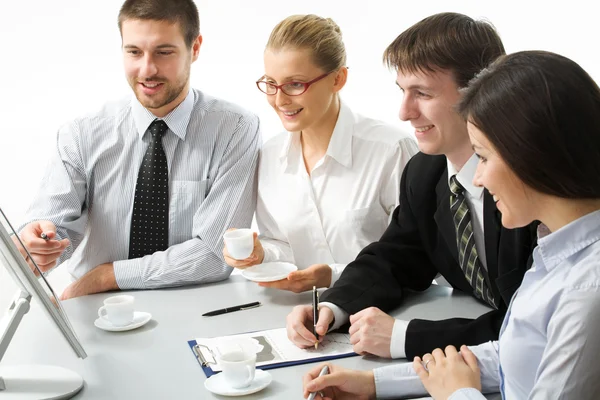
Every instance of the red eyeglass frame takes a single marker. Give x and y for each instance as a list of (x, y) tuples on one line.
[(280, 87)]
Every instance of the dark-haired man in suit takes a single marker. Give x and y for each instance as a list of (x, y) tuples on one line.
[(443, 225)]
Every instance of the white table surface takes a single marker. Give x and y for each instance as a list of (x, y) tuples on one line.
[(155, 361)]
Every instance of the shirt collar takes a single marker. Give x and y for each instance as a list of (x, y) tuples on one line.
[(465, 176), (177, 120), (340, 144), (568, 240)]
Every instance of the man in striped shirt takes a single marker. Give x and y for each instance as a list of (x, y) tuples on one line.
[(85, 205)]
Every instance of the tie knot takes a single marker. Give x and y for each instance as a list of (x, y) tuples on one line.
[(455, 186), (158, 128)]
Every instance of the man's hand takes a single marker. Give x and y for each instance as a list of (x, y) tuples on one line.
[(371, 332), (100, 279), (318, 275), (339, 384), (299, 325), (45, 253), (257, 256), (445, 374)]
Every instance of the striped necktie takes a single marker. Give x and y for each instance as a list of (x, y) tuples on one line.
[(467, 251), (150, 218)]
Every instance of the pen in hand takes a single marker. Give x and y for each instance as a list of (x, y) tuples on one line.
[(324, 371), (232, 309), (44, 236), (315, 314)]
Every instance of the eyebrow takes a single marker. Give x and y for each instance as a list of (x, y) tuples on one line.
[(475, 147), (160, 46), (286, 79), (415, 87)]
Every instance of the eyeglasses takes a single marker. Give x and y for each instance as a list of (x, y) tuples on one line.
[(289, 88)]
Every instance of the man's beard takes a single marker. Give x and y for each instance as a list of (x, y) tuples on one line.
[(168, 93)]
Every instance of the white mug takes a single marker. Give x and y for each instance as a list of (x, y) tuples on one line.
[(238, 368), (118, 310), (240, 243)]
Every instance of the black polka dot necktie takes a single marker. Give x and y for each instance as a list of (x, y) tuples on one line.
[(150, 218)]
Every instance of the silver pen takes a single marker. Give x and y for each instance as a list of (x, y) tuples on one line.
[(324, 371)]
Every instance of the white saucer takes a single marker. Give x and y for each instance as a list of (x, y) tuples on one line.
[(217, 385), (140, 318), (268, 272)]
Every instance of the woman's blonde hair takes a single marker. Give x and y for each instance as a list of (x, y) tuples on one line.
[(322, 36)]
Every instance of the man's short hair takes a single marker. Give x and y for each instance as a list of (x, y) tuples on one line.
[(183, 12), (446, 41)]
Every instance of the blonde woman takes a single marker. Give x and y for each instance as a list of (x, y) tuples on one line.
[(329, 183)]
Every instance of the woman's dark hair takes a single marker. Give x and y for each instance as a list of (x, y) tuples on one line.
[(541, 112)]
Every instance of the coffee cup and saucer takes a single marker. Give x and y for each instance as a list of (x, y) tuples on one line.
[(117, 314), (239, 376)]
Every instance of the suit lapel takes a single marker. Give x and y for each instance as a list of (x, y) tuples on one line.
[(443, 216), (491, 232)]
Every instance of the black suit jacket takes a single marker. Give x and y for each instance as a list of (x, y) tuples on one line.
[(419, 243)]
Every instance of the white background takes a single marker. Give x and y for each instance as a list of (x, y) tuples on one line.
[(60, 59)]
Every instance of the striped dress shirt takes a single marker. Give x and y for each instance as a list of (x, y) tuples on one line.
[(88, 189)]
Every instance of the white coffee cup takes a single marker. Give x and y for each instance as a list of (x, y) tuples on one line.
[(240, 243), (238, 367), (118, 310)]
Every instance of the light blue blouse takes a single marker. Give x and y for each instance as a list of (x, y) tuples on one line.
[(549, 345)]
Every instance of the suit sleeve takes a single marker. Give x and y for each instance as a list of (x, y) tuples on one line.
[(423, 336), (384, 268)]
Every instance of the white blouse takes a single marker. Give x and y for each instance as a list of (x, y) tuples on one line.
[(327, 217)]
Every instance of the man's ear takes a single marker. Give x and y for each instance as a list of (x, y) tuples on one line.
[(196, 48)]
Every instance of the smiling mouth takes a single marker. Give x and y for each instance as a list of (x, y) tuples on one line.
[(291, 113), (423, 128), (150, 85)]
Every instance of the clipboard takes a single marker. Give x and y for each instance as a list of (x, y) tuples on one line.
[(207, 359)]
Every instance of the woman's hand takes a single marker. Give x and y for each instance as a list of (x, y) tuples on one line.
[(256, 257), (443, 375)]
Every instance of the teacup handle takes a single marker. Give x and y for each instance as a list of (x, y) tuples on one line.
[(250, 377), (102, 313)]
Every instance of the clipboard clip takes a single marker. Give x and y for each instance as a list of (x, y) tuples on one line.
[(200, 355)]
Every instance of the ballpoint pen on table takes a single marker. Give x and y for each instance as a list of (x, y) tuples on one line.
[(324, 370), (232, 309), (315, 314)]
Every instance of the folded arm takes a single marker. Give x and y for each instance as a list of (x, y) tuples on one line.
[(230, 201)]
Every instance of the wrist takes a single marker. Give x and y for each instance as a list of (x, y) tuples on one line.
[(370, 384), (325, 279)]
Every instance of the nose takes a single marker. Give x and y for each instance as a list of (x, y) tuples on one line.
[(408, 108), (477, 178), (148, 69), (281, 98)]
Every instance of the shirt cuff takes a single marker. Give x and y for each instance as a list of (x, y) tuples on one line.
[(340, 317), (397, 381), (128, 274), (467, 394), (336, 272), (269, 253), (274, 251), (397, 349)]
